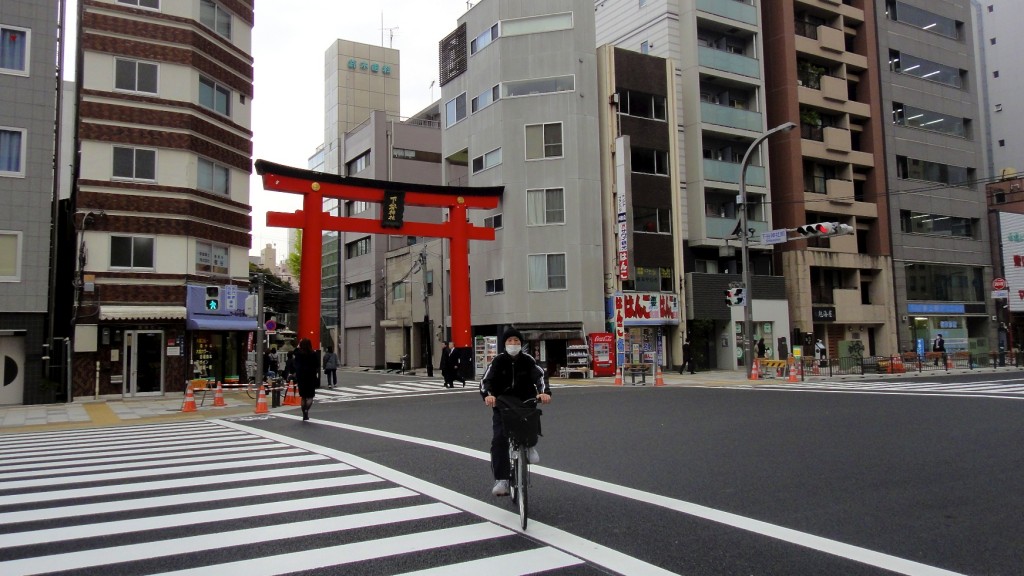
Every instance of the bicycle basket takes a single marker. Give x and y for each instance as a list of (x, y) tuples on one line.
[(520, 420)]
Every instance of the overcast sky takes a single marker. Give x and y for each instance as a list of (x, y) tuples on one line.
[(289, 41)]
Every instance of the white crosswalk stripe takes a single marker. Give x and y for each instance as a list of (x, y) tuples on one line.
[(394, 387), (193, 508), (1010, 388)]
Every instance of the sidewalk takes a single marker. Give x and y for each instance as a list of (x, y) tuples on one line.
[(87, 412)]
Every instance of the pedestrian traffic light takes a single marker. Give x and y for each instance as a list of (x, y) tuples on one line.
[(736, 297), (213, 298)]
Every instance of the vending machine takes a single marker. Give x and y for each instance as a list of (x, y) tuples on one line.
[(602, 353)]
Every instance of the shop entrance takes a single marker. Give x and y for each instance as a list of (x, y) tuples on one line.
[(143, 362)]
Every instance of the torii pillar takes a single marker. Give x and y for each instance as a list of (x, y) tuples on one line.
[(393, 197)]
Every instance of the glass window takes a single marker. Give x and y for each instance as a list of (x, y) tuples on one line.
[(914, 169), (489, 160), (134, 163), (537, 24), (485, 38), (214, 96), (538, 86), (903, 115), (135, 76), (213, 177), (10, 256), (131, 252), (944, 283), (358, 164), (923, 19), (14, 50), (903, 63), (455, 110), (652, 220), (215, 18), (154, 4), (645, 105), (12, 151), (649, 161), (543, 141), (211, 258), (355, 207), (493, 221), (357, 248), (398, 291), (547, 272), (486, 98), (937, 224), (545, 206), (495, 286), (358, 290)]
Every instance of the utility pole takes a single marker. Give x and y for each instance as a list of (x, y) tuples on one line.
[(426, 315), (260, 328)]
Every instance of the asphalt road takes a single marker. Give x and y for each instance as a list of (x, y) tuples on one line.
[(732, 480)]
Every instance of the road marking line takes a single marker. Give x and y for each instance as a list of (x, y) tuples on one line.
[(185, 499), (191, 544), (514, 564), (562, 540), (60, 456), (64, 439)]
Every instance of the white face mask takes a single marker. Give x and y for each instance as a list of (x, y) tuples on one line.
[(513, 349)]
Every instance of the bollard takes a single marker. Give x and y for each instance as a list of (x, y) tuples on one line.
[(275, 397)]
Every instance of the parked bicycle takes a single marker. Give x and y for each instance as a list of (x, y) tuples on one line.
[(252, 389), (521, 420)]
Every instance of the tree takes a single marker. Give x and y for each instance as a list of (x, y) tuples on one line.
[(294, 260)]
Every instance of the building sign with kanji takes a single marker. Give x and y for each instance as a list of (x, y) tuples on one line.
[(392, 209)]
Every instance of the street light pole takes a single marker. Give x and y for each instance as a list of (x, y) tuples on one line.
[(748, 336)]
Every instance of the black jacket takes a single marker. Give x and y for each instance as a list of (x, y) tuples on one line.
[(518, 376)]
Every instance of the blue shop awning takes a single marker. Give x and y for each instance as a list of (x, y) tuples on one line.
[(221, 323)]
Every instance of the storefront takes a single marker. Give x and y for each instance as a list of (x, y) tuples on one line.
[(218, 339), (963, 327), (644, 323)]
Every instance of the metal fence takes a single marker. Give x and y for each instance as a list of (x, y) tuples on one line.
[(909, 362)]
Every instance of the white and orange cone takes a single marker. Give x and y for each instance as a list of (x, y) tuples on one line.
[(189, 405), (261, 402), (218, 396)]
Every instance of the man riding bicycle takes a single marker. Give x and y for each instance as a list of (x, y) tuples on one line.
[(514, 373)]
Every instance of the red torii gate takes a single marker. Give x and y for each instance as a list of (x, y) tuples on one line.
[(312, 220)]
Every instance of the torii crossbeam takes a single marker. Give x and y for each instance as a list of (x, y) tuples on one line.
[(312, 220)]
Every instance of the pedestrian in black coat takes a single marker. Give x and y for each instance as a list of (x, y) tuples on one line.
[(307, 374)]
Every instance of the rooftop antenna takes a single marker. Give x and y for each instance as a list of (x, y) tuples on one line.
[(391, 32), (432, 82)]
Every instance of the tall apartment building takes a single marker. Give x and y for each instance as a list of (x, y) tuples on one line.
[(720, 109), (822, 74), (934, 147), (161, 194), (28, 117), (1000, 76), (519, 87)]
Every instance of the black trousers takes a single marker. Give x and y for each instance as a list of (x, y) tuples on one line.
[(499, 448)]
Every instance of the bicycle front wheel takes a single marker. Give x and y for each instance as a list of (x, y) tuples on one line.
[(522, 479), (251, 389)]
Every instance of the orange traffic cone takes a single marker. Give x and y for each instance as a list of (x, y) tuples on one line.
[(189, 405), (291, 398), (618, 375), (659, 378), (755, 371), (218, 396), (792, 369), (261, 402), (949, 363)]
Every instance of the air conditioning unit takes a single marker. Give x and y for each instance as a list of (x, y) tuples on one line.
[(1015, 187)]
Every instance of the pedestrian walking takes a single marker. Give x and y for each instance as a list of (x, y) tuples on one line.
[(449, 365), (939, 345), (307, 370), (687, 357), (331, 368)]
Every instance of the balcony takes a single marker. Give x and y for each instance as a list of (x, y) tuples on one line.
[(839, 191), (729, 116), (834, 88), (720, 171), (728, 62), (849, 308), (732, 9), (723, 227), (837, 139)]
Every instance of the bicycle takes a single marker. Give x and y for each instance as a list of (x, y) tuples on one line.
[(252, 389), (521, 420)]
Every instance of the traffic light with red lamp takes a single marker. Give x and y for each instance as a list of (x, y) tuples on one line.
[(824, 229), (736, 297)]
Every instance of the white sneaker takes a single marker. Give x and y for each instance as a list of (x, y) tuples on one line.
[(500, 488), (532, 456)]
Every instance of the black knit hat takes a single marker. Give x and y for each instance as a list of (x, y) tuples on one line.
[(510, 332)]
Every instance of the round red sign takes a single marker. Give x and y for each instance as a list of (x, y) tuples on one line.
[(999, 283)]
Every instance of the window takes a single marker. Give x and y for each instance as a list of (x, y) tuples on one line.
[(903, 63), (353, 207), (937, 224), (648, 161), (538, 86), (131, 251), (652, 220), (211, 258), (545, 206), (995, 74), (495, 286), (215, 18), (398, 292), (12, 151), (134, 163), (358, 290), (455, 110), (536, 24), (923, 19), (214, 96), (214, 177), (430, 282), (403, 153), (651, 106), (543, 141), (493, 221), (486, 98), (357, 164), (154, 4), (357, 248), (645, 47), (485, 38), (14, 50), (135, 76), (489, 160), (547, 272), (914, 169), (10, 256), (927, 120)]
